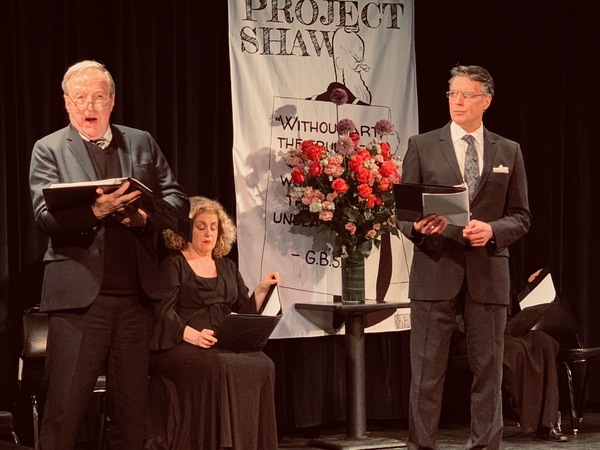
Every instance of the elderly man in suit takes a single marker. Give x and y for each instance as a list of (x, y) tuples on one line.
[(102, 261), (463, 270)]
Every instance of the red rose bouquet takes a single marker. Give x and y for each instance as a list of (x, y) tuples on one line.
[(347, 189)]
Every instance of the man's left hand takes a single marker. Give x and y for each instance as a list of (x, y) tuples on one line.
[(478, 233), (131, 216)]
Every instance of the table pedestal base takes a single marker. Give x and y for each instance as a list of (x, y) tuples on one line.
[(346, 443), (354, 316)]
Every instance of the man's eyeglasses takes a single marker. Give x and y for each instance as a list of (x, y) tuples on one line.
[(466, 95), (82, 103)]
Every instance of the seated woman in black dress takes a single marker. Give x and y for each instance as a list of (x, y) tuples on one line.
[(531, 379), (211, 398)]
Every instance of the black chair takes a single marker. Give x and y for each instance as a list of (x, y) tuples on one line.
[(32, 379), (7, 426), (560, 322)]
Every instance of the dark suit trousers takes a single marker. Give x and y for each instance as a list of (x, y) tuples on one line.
[(112, 334), (432, 324)]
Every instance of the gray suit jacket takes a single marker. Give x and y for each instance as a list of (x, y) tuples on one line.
[(74, 260), (441, 263)]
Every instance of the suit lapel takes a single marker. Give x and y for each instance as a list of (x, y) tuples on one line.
[(489, 154), (77, 147), (447, 149), (122, 143)]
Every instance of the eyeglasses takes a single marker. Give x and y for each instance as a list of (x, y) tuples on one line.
[(99, 104), (466, 95)]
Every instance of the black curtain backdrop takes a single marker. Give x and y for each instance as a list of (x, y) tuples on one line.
[(170, 61)]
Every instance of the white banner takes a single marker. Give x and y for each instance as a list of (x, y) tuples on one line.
[(286, 58)]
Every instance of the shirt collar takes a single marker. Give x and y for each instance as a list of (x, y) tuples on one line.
[(107, 136), (457, 133)]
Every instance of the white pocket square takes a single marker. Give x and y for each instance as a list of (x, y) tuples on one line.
[(500, 169)]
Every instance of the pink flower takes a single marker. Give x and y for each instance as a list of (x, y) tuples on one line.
[(334, 166), (344, 145), (326, 216), (294, 161), (383, 127), (351, 227), (345, 126), (339, 96), (332, 196), (310, 195), (371, 234)]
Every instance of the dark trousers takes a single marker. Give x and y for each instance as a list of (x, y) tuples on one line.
[(432, 324), (112, 334)]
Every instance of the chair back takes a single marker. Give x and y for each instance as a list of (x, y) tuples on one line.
[(35, 333), (32, 376)]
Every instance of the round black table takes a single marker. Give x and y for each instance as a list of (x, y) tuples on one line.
[(355, 316)]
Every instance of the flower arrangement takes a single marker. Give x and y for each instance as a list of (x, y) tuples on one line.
[(347, 189)]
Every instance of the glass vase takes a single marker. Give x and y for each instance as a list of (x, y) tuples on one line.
[(353, 277)]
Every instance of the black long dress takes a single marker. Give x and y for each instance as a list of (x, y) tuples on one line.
[(530, 377), (203, 399)]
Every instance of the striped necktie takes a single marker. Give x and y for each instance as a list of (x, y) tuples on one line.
[(100, 142), (471, 174)]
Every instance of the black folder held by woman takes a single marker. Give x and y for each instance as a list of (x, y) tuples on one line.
[(250, 332), (535, 300)]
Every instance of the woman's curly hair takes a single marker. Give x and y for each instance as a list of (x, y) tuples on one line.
[(227, 228)]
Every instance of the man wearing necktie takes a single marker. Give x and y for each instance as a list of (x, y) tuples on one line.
[(101, 265), (463, 270)]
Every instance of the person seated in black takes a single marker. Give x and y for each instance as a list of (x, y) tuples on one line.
[(531, 379), (213, 398)]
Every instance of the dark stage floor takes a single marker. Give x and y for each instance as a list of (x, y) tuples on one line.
[(451, 437), (455, 437)]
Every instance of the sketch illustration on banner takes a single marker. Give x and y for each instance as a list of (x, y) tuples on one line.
[(349, 64)]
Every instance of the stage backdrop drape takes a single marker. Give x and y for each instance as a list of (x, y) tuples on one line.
[(285, 60)]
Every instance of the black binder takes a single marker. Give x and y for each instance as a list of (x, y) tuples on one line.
[(163, 215), (250, 332), (526, 319), (245, 332), (408, 198)]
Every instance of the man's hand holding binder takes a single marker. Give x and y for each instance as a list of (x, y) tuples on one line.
[(129, 200), (415, 202), (121, 204)]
